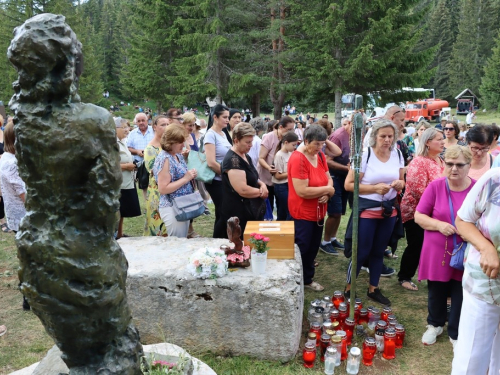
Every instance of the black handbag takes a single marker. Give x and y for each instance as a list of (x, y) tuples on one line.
[(142, 175)]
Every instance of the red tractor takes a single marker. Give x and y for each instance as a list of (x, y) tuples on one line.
[(428, 110)]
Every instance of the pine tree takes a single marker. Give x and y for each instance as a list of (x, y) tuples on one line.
[(443, 54), (353, 46), (490, 83)]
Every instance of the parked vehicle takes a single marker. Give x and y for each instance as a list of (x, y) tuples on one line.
[(464, 106), (428, 110)]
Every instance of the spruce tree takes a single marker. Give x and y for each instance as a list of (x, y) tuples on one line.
[(490, 83), (361, 47)]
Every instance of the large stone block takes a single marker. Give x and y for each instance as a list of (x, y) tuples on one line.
[(239, 314)]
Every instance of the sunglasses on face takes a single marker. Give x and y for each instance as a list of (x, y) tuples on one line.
[(458, 165), (401, 110), (449, 129)]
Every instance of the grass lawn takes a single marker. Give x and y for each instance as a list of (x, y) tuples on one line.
[(27, 342)]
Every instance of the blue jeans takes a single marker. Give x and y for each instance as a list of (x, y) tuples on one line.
[(281, 194)]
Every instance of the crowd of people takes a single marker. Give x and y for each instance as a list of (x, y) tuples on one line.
[(438, 186)]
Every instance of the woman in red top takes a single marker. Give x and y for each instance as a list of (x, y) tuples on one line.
[(422, 170), (310, 188)]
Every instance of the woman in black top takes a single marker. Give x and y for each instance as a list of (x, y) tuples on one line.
[(244, 194)]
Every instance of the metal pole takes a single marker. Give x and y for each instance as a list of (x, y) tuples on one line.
[(356, 151)]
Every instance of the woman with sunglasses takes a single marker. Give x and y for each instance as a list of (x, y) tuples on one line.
[(479, 140), (381, 178), (310, 188), (451, 133), (433, 214)]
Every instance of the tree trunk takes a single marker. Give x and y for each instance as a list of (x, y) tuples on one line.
[(255, 105), (277, 94)]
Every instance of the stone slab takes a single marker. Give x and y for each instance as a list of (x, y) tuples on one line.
[(52, 364), (239, 314)]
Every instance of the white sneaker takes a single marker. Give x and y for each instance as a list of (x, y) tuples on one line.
[(453, 342), (365, 269), (431, 334)]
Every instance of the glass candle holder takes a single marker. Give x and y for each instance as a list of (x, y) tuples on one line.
[(325, 300), (316, 317), (327, 325), (389, 344), (353, 361), (338, 297), (336, 342), (329, 307), (363, 316), (393, 324), (323, 344), (343, 351), (334, 315), (349, 329), (330, 358), (330, 332), (379, 335), (385, 313), (336, 326), (343, 314), (316, 328), (311, 337), (369, 350), (358, 303), (400, 335), (347, 306), (373, 318), (391, 318), (309, 355)]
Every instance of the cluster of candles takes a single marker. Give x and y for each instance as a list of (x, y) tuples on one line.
[(331, 330)]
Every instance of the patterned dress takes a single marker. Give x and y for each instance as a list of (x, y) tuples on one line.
[(154, 226)]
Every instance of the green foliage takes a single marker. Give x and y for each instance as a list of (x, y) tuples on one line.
[(490, 83)]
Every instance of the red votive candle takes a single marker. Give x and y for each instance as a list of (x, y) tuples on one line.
[(309, 355), (389, 344), (400, 336), (337, 298), (369, 350)]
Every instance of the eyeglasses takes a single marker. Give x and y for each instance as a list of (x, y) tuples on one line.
[(479, 149), (458, 165), (450, 129)]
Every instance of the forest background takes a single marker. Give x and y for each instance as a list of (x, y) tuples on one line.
[(263, 54)]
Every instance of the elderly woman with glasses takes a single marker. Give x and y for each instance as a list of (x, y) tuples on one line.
[(433, 214), (423, 169), (479, 140), (310, 189), (381, 178)]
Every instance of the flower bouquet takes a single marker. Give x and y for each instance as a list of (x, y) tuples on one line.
[(259, 253), (259, 242), (208, 263)]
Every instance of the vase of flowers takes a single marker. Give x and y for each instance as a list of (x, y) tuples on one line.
[(259, 253)]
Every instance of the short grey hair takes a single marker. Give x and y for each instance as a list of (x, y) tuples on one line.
[(258, 124), (315, 133), (380, 124), (140, 114), (427, 136), (242, 130)]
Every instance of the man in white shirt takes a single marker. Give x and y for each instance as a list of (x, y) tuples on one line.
[(471, 116)]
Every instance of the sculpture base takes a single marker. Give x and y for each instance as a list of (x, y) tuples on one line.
[(52, 364), (238, 314)]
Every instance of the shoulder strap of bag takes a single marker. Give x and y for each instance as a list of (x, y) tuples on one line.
[(451, 211), (491, 160)]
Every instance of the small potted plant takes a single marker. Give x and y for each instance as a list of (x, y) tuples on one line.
[(259, 253)]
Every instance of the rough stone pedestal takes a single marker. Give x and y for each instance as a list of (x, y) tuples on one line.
[(238, 314)]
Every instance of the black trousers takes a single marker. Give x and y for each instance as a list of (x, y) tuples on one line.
[(436, 304), (411, 255), (270, 189), (216, 192), (308, 238)]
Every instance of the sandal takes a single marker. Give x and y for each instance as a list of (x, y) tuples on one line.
[(410, 285), (193, 234), (3, 330), (5, 228), (315, 286), (388, 254)]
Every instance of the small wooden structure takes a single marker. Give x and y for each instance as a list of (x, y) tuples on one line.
[(467, 102)]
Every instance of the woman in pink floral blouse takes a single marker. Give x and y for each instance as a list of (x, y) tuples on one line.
[(422, 170)]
